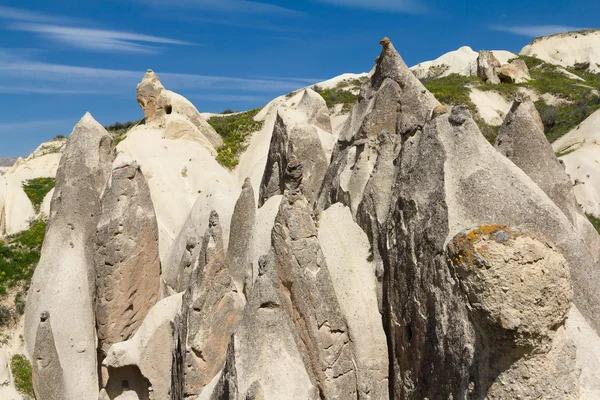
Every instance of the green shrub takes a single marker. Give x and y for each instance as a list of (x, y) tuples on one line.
[(595, 221), (36, 189), (20, 255), (337, 96), (119, 130), (452, 89), (234, 130), (21, 371)]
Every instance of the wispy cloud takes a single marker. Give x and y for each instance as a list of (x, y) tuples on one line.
[(399, 6), (22, 75), (98, 39), (229, 6), (57, 28), (535, 30)]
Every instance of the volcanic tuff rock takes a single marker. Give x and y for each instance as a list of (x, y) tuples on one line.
[(212, 308), (162, 106), (127, 261), (143, 363), (488, 67), (294, 138), (63, 282), (47, 373)]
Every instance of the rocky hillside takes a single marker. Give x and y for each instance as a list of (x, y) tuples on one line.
[(401, 234)]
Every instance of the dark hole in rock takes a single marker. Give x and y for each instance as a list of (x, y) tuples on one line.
[(168, 109), (127, 378)]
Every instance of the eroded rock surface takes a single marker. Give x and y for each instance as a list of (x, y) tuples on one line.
[(127, 260), (64, 281)]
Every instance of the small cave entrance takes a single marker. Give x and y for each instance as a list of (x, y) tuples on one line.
[(125, 379), (168, 109)]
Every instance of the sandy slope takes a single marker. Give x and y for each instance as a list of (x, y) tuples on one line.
[(567, 49)]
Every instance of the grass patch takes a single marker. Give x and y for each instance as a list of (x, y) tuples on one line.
[(337, 96), (20, 255), (36, 189), (119, 130), (595, 221), (234, 130), (452, 89), (21, 371)]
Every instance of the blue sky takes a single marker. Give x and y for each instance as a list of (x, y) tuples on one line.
[(61, 58)]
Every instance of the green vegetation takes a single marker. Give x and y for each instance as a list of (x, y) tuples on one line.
[(21, 371), (343, 93), (595, 221), (452, 89), (581, 98), (19, 256), (36, 189), (119, 130), (235, 130)]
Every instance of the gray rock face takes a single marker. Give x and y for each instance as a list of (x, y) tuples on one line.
[(488, 67), (239, 251), (450, 179), (127, 261), (63, 282), (47, 374), (521, 139), (379, 111), (212, 308), (263, 360), (309, 295), (291, 141)]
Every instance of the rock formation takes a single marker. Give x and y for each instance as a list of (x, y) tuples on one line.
[(212, 308), (143, 364), (162, 107), (488, 67), (63, 282), (47, 373), (294, 139), (127, 261), (239, 251)]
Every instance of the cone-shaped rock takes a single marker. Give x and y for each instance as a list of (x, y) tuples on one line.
[(392, 102), (311, 300), (239, 251), (127, 261), (263, 358), (63, 282), (450, 180), (47, 374), (212, 308), (293, 139)]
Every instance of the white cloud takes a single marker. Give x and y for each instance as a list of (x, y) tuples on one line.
[(535, 30), (22, 75), (65, 31), (228, 6), (13, 127), (97, 39), (404, 6)]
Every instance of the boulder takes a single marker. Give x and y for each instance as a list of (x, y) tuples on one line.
[(488, 67), (127, 260), (514, 72), (143, 364), (160, 104), (64, 281)]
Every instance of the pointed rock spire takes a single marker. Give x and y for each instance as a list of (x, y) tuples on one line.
[(63, 282), (127, 259), (47, 374)]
